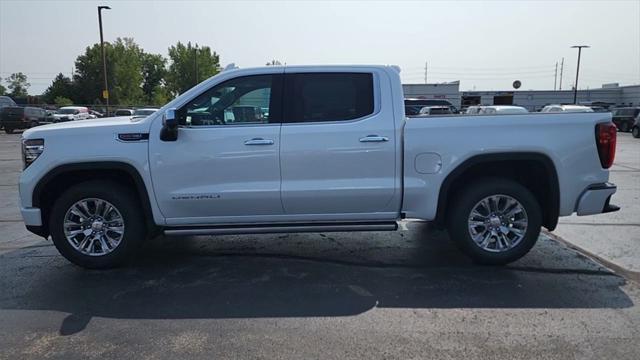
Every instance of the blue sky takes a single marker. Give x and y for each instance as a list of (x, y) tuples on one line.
[(485, 44)]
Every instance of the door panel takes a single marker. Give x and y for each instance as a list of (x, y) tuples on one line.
[(226, 159), (338, 166), (212, 172)]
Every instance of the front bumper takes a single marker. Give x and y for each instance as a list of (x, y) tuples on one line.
[(31, 216), (595, 200), (33, 221)]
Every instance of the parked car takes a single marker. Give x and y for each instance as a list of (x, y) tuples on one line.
[(473, 110), (597, 108), (434, 110), (17, 117), (635, 130), (6, 101), (144, 111), (501, 110), (337, 154), (71, 113), (624, 117), (124, 112), (566, 108), (412, 106), (95, 114)]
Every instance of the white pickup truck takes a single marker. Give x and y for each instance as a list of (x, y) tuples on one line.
[(310, 149)]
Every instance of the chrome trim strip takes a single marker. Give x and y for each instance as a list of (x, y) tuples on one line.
[(282, 229)]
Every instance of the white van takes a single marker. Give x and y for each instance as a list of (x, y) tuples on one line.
[(71, 113)]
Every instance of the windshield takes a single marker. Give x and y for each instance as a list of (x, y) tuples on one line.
[(67, 111)]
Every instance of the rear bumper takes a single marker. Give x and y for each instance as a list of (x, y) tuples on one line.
[(15, 124), (596, 200)]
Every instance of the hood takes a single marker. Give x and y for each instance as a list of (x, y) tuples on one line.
[(108, 125)]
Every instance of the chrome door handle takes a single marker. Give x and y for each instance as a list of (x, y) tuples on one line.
[(259, 141), (374, 138)]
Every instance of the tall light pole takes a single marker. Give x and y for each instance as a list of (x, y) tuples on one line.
[(575, 88), (105, 92)]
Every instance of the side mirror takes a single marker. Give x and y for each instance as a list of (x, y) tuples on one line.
[(169, 130)]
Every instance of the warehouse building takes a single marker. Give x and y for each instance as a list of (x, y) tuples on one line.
[(533, 100), (445, 91)]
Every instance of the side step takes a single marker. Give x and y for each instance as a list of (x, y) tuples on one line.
[(281, 228)]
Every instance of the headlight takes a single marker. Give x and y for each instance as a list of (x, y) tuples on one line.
[(31, 149)]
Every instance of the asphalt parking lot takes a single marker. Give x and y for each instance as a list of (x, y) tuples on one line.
[(404, 294)]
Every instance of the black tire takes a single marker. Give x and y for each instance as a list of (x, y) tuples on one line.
[(34, 124), (466, 200), (624, 127), (8, 130), (123, 199), (635, 132)]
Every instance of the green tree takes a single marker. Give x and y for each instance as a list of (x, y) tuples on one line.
[(62, 101), (274, 62), (127, 67), (3, 90), (153, 74), (190, 64), (60, 87), (124, 73), (17, 83)]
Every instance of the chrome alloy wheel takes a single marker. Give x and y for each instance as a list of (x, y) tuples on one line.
[(93, 227), (497, 223)]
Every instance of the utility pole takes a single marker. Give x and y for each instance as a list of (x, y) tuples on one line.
[(105, 92), (195, 63), (555, 77), (425, 72), (561, 71), (575, 88)]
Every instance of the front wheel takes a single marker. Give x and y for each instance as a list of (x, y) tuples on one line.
[(97, 224), (635, 132), (8, 130), (495, 221), (624, 127)]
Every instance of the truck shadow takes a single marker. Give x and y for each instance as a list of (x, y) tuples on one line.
[(301, 276)]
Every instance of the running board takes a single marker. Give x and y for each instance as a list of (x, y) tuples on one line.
[(281, 228)]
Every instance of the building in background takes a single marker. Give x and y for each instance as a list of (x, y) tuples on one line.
[(533, 100), (449, 91)]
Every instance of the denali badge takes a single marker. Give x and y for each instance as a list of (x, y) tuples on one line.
[(196, 197)]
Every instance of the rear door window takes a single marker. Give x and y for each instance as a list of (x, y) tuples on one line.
[(317, 97)]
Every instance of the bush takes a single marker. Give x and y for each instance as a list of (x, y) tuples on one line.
[(62, 101)]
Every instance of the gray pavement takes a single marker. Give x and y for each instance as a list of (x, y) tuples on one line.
[(404, 294), (613, 237)]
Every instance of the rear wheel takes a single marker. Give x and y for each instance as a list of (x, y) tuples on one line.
[(624, 127), (34, 124), (8, 130), (635, 132), (495, 221), (97, 224)]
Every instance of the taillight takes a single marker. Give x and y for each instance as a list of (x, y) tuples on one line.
[(606, 141)]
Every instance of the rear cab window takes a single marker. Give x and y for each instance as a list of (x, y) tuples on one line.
[(320, 97)]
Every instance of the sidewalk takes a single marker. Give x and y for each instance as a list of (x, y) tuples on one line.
[(614, 238)]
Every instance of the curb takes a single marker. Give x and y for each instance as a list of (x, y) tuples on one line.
[(626, 273)]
